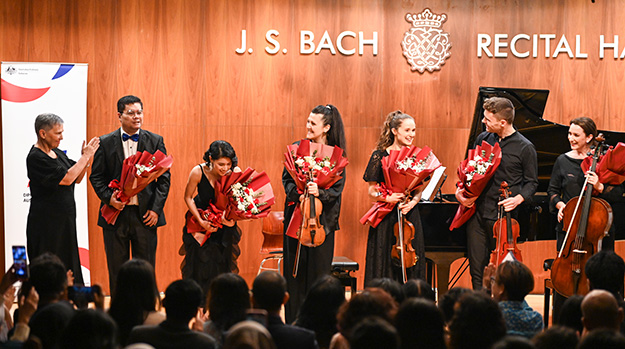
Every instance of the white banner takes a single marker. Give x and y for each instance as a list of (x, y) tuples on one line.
[(30, 89)]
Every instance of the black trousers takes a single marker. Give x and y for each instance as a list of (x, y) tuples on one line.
[(130, 232), (480, 243), (314, 262)]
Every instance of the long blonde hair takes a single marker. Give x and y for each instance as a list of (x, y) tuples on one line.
[(393, 121)]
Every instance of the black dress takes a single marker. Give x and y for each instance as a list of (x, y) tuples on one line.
[(51, 225), (314, 261), (219, 253), (567, 180), (378, 260)]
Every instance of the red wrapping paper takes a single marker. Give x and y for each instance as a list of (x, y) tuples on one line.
[(211, 214), (324, 178), (138, 171), (258, 182), (476, 185), (401, 180), (610, 167), (225, 202)]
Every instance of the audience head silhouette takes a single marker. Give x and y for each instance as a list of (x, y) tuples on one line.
[(513, 281), (90, 328), (420, 324), (49, 277), (228, 300), (249, 335), (477, 322), (269, 291), (182, 300), (605, 270), (374, 332), (600, 310)]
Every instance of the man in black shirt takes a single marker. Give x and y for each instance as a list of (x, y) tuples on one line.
[(518, 167)]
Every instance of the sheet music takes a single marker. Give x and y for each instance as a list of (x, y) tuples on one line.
[(430, 190)]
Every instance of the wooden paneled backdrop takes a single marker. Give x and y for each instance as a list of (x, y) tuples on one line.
[(179, 57)]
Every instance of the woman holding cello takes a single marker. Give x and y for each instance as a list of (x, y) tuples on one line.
[(398, 131), (567, 178), (567, 181), (324, 125)]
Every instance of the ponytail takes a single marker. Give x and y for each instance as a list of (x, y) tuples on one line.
[(393, 121), (332, 117)]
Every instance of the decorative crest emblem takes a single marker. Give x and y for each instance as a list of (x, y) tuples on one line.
[(425, 45), (10, 70)]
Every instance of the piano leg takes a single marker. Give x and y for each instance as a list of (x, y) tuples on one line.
[(442, 262)]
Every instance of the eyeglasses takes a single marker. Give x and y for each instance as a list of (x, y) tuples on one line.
[(132, 113)]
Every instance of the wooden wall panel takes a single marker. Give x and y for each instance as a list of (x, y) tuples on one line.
[(179, 57)]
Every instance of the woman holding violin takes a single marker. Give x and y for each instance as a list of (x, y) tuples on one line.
[(324, 125), (567, 181), (219, 253), (398, 131)]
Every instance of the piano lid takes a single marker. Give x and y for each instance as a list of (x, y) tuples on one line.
[(549, 138)]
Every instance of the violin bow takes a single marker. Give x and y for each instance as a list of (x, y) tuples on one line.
[(299, 243), (400, 222)]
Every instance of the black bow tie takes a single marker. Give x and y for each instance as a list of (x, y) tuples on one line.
[(134, 138)]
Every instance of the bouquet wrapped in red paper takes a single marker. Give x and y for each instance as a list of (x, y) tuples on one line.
[(212, 214), (244, 195), (473, 174), (241, 195), (316, 162), (611, 166), (138, 171), (403, 170)]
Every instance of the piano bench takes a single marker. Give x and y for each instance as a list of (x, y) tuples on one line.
[(341, 269)]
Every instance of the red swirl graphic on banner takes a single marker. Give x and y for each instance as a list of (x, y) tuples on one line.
[(17, 94)]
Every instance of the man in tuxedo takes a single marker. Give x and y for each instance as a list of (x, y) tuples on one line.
[(136, 225)]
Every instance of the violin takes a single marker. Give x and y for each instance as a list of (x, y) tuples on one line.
[(586, 227), (506, 232), (311, 232), (403, 252)]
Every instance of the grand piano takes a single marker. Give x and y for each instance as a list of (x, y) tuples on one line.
[(442, 247)]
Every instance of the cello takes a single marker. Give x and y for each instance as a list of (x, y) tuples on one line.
[(311, 232), (506, 245), (586, 227), (403, 252)]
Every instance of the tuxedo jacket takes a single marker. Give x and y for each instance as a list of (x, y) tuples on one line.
[(107, 165)]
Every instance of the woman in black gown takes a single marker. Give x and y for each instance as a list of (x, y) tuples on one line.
[(324, 125), (220, 252), (398, 131), (51, 225), (567, 180)]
